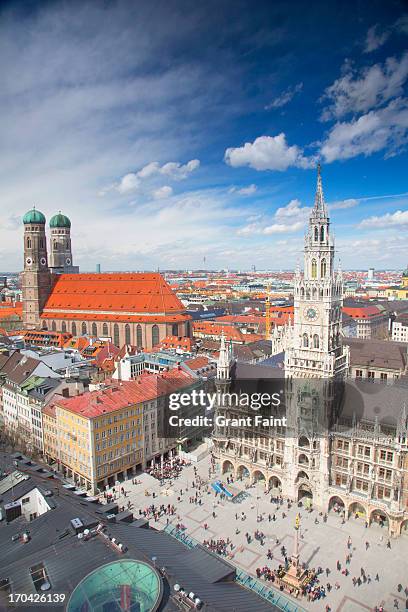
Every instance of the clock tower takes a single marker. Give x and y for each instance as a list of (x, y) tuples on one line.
[(316, 349), (315, 362)]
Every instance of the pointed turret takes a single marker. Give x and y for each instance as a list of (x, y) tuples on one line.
[(319, 208), (223, 363)]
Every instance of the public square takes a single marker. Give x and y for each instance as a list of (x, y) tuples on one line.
[(322, 544)]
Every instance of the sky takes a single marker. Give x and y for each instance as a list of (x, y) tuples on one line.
[(179, 135)]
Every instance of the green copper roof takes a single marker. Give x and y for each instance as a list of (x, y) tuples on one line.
[(405, 272), (105, 587), (33, 216), (60, 220)]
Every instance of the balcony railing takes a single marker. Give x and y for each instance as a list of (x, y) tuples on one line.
[(241, 577)]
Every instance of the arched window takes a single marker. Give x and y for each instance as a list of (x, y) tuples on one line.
[(105, 331), (302, 292), (155, 335), (41, 243), (28, 243), (116, 335), (54, 326), (139, 338), (74, 331), (83, 329), (55, 245), (305, 340), (323, 268), (316, 234), (314, 268), (322, 234), (127, 333), (308, 294), (174, 329), (314, 292), (94, 329), (316, 341), (63, 327)]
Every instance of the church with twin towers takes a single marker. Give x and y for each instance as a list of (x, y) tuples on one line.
[(133, 308), (333, 453)]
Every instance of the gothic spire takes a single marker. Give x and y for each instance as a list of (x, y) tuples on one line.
[(319, 209), (223, 362)]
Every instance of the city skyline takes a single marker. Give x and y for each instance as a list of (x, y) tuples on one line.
[(190, 150)]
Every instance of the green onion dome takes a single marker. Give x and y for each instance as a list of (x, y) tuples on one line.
[(33, 216), (60, 220)]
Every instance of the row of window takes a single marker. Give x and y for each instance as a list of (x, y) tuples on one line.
[(365, 451)]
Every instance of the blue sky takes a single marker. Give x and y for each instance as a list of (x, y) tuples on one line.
[(170, 133)]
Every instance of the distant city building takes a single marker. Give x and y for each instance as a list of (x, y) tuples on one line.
[(371, 321), (399, 292), (400, 329)]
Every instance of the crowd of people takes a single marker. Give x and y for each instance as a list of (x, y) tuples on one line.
[(220, 546), (155, 512), (170, 469)]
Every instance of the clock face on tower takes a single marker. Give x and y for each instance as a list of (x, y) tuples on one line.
[(311, 313)]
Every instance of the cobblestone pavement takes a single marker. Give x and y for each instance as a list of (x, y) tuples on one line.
[(321, 544)]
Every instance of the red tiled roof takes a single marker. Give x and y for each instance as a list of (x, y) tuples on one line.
[(107, 352), (119, 294), (183, 342), (49, 410), (212, 329), (45, 337), (7, 310), (127, 393), (361, 312), (197, 363), (79, 343)]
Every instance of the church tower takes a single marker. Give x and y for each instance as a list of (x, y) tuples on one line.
[(36, 277), (60, 245), (316, 349), (315, 361)]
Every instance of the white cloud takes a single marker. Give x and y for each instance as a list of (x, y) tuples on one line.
[(172, 170), (245, 191), (162, 192), (287, 219), (128, 183), (282, 228), (292, 210), (267, 153), (285, 97), (149, 170), (396, 219), (377, 130), (179, 172), (359, 92), (344, 204), (375, 39)]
